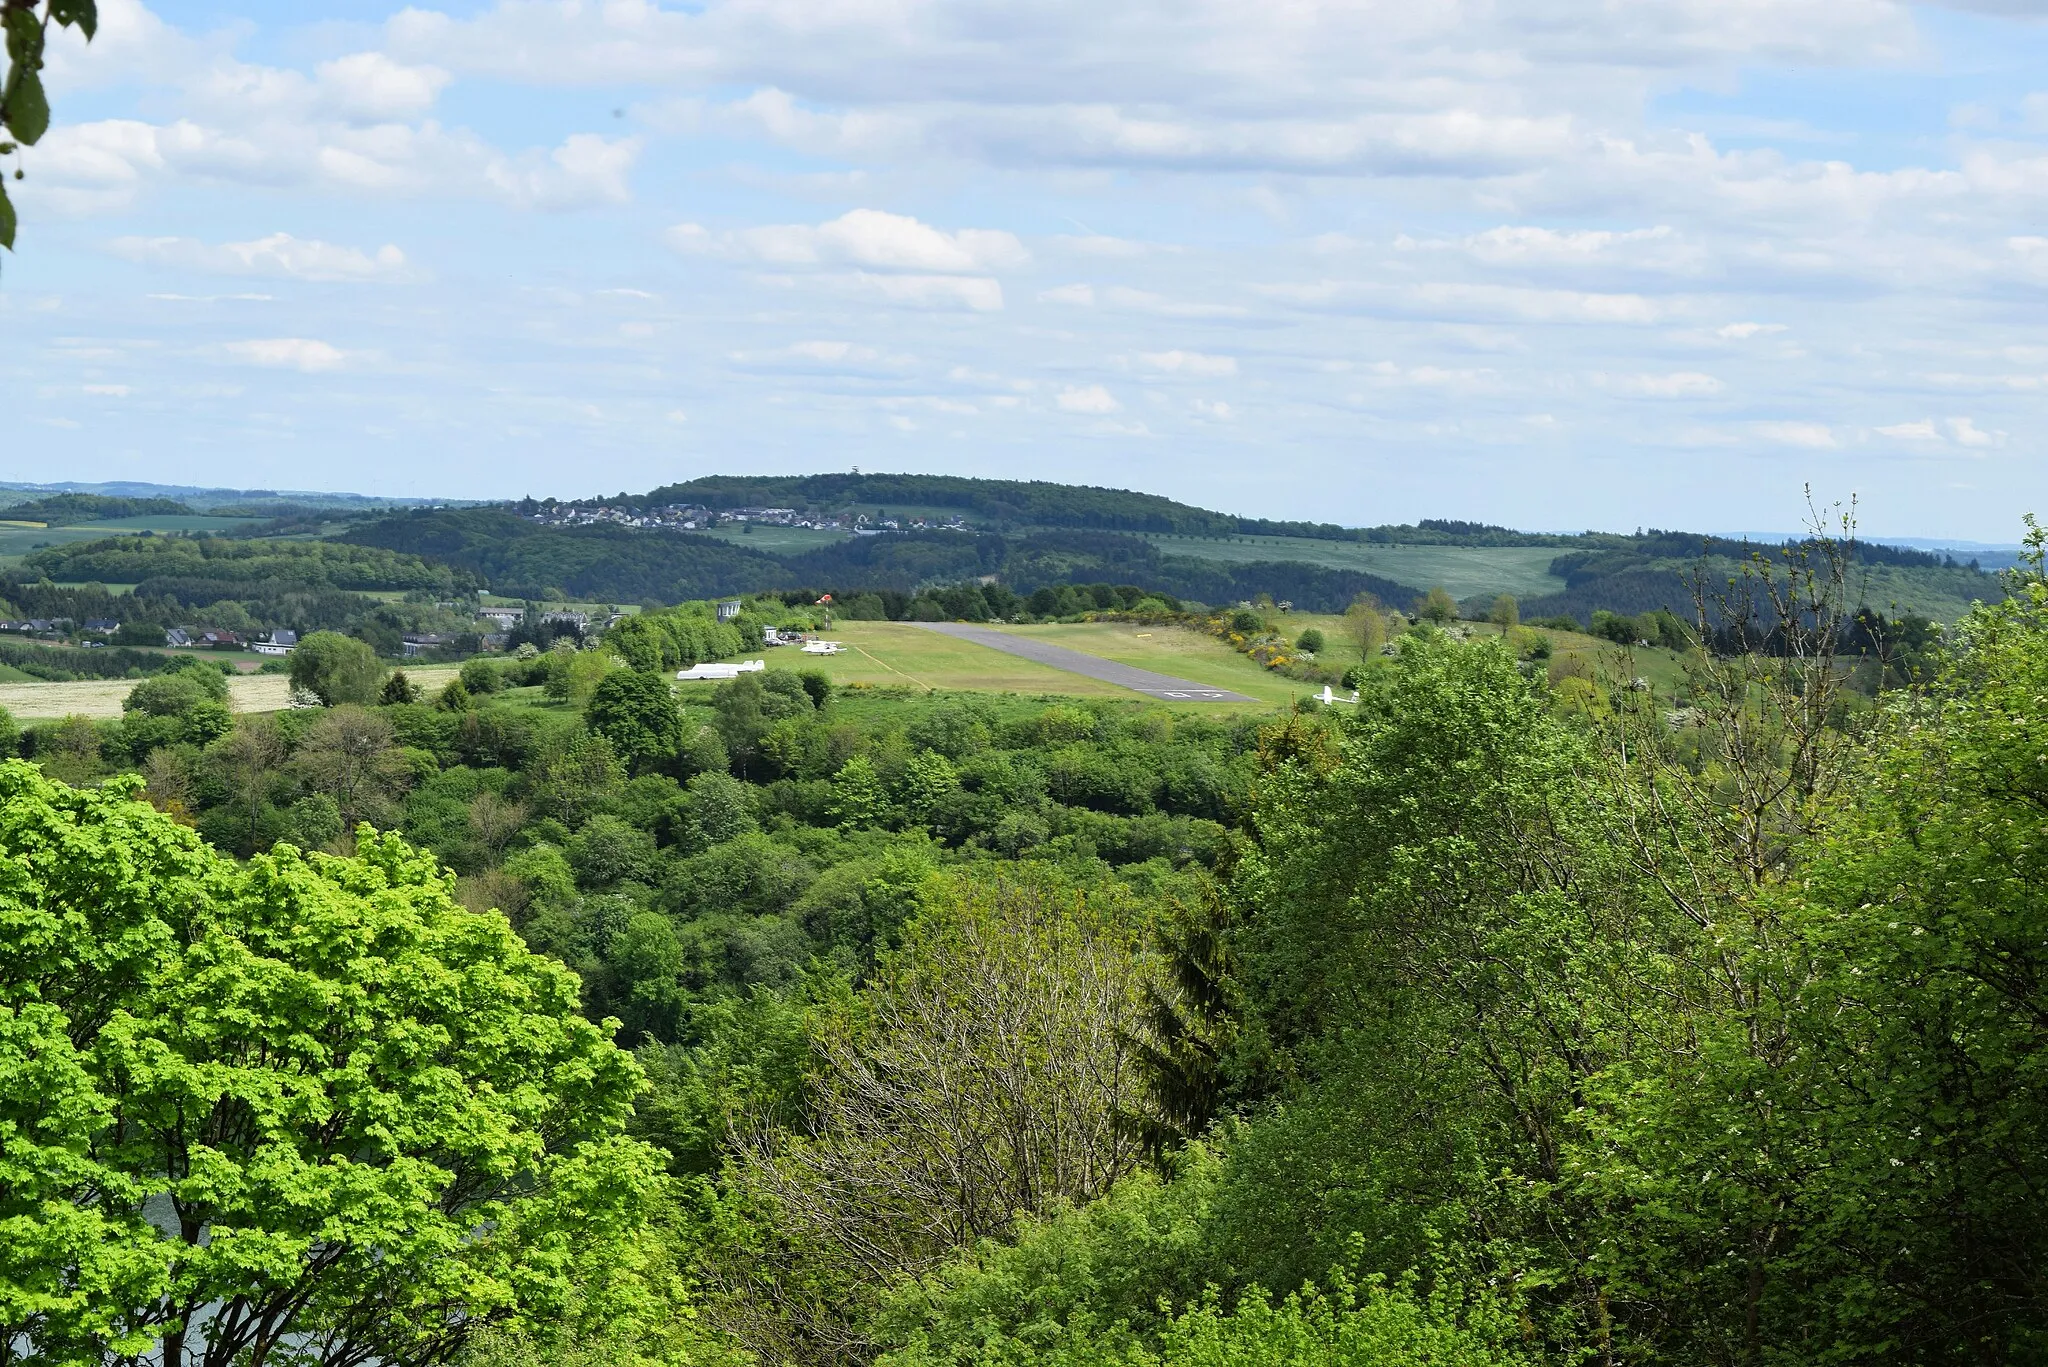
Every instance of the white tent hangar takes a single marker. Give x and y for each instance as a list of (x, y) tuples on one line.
[(722, 671)]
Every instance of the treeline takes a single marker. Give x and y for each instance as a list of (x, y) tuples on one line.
[(311, 564), (66, 509)]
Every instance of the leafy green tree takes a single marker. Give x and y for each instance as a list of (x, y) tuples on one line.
[(721, 808), (1506, 613), (1310, 640), (337, 669), (1437, 606), (1366, 623), (370, 1120), (455, 697), (858, 797), (481, 677), (398, 690), (636, 711), (576, 779), (928, 780)]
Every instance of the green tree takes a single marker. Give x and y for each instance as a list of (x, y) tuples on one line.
[(1506, 613), (636, 711), (371, 1120), (398, 690), (1366, 623), (1437, 606), (1310, 640), (858, 797), (454, 697), (928, 780), (337, 669)]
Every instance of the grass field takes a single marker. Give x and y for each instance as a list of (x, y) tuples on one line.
[(1464, 570), (17, 541), (101, 698), (896, 654), (775, 540)]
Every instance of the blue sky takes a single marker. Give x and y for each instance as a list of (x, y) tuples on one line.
[(1553, 263)]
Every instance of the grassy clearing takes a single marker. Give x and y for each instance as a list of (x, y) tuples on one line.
[(775, 540), (896, 654), (100, 699), (1465, 570)]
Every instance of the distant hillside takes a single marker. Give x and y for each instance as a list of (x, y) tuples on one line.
[(614, 564), (1011, 505), (71, 509), (197, 497)]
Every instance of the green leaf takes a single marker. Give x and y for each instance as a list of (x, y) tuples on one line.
[(83, 13), (28, 112), (6, 220), (24, 37)]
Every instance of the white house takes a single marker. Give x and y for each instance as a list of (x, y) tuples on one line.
[(722, 671)]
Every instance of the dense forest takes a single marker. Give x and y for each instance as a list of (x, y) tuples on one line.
[(565, 1016)]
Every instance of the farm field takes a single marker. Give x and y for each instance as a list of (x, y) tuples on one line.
[(17, 541), (1464, 570), (775, 540), (101, 698)]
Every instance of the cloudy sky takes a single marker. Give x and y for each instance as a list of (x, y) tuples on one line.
[(1554, 263)]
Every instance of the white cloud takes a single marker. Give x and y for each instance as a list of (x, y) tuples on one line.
[(1083, 295), (1923, 430), (1090, 399), (1742, 332), (1685, 384), (104, 165), (1189, 363), (1967, 433), (112, 391), (288, 353), (1165, 306), (863, 237), (1812, 436), (278, 254), (1214, 409)]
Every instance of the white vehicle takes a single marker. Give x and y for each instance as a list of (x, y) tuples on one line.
[(722, 671), (824, 648), (1327, 698)]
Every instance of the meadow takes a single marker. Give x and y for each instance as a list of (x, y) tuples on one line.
[(1464, 570)]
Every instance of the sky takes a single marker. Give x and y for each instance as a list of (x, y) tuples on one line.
[(1556, 264)]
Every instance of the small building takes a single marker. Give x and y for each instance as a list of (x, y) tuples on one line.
[(176, 637), (215, 639), (562, 617), (503, 618), (420, 643), (101, 626), (729, 609), (280, 643)]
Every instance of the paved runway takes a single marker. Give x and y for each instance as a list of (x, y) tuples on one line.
[(1162, 686)]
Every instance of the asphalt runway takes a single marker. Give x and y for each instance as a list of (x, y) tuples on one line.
[(1162, 686)]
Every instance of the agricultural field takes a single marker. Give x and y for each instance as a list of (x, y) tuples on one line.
[(775, 540), (101, 698), (1464, 570), (17, 540)]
